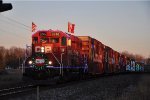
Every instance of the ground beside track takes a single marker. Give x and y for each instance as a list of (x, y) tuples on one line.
[(10, 78), (117, 87)]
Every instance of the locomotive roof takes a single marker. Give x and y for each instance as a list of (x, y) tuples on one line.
[(50, 31), (74, 38)]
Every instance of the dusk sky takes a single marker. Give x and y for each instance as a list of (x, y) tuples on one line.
[(122, 25)]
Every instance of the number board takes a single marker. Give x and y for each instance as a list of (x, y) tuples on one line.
[(42, 33), (55, 34)]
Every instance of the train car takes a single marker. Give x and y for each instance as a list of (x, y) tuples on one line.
[(124, 63), (117, 68), (137, 66), (121, 62), (109, 61), (87, 52), (128, 64), (133, 65), (97, 56), (113, 62), (93, 49)]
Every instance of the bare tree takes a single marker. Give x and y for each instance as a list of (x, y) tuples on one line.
[(2, 58), (136, 57), (148, 60), (15, 57)]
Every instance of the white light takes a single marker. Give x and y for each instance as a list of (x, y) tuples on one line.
[(42, 49), (48, 49), (62, 50), (50, 62), (30, 62), (69, 42)]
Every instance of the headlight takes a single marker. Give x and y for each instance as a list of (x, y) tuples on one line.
[(50, 62), (30, 62), (42, 49), (63, 50)]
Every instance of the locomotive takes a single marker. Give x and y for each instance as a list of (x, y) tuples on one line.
[(57, 53)]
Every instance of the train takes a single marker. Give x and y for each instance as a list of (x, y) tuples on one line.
[(57, 53)]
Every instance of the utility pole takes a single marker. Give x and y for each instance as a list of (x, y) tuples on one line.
[(19, 63), (38, 94)]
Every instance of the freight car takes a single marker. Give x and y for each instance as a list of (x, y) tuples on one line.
[(57, 53)]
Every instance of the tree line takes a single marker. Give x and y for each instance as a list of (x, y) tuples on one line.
[(12, 57), (137, 57)]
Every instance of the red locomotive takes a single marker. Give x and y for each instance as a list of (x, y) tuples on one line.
[(57, 53), (54, 53)]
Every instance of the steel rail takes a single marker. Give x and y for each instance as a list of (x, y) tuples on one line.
[(15, 90)]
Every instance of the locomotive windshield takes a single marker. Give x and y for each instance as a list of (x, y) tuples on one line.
[(42, 33), (63, 41), (54, 40), (44, 40), (35, 40)]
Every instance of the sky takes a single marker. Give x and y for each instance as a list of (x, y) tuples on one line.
[(123, 25)]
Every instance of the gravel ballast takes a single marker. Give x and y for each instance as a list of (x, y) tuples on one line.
[(117, 87)]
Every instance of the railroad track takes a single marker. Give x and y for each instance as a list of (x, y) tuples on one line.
[(15, 90), (23, 88)]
